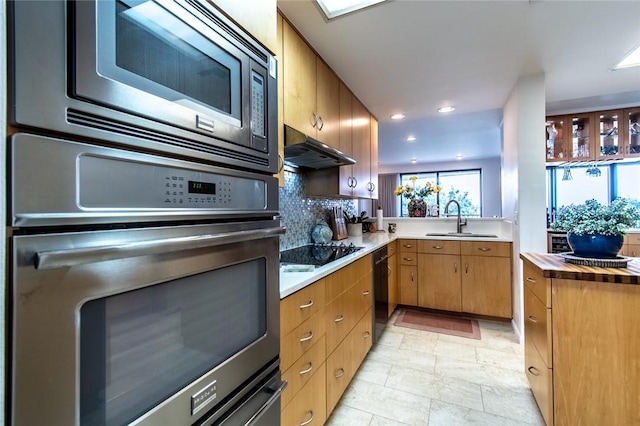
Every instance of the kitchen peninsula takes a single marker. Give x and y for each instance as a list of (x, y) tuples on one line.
[(582, 345)]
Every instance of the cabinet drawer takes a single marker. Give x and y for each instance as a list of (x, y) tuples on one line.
[(309, 406), (439, 246), (303, 370), (408, 258), (633, 250), (534, 280), (342, 314), (344, 362), (299, 306), (537, 325), (338, 282), (301, 339), (392, 248), (633, 239), (540, 380), (485, 248), (407, 246)]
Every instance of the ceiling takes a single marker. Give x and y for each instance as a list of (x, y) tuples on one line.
[(413, 56)]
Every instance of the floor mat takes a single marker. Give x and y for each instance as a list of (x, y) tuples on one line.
[(438, 323)]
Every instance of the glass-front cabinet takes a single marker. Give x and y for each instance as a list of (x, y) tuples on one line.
[(608, 142), (555, 135), (631, 132), (581, 142)]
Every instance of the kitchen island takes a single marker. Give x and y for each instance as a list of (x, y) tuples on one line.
[(582, 341)]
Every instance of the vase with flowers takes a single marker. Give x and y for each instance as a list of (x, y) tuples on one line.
[(417, 206)]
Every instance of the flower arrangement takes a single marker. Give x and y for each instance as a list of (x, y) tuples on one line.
[(595, 218), (410, 192)]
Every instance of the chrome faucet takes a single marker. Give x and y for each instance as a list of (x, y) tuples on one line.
[(460, 222)]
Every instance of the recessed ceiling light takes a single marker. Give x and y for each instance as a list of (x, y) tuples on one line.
[(414, 161), (631, 60), (334, 8), (397, 116), (446, 109), (411, 138)]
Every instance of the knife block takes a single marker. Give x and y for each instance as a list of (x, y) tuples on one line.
[(339, 228)]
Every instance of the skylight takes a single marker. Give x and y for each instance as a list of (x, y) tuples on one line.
[(631, 60), (334, 8)]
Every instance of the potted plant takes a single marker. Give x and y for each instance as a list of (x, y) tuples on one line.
[(595, 230), (416, 206)]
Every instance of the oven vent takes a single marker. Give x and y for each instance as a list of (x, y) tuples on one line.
[(228, 29), (113, 126)]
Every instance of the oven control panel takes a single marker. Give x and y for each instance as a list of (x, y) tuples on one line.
[(115, 183)]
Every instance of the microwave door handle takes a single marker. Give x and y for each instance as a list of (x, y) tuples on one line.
[(72, 257)]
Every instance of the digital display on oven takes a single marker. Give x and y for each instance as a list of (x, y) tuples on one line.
[(201, 187)]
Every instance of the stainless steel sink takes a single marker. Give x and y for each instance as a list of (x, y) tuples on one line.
[(461, 234)]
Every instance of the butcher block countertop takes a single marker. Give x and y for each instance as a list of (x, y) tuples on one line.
[(554, 266)]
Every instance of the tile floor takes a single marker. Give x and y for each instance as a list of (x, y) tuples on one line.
[(414, 377)]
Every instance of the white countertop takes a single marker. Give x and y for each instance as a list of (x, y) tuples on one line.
[(409, 228)]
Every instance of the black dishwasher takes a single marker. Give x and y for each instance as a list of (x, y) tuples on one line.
[(380, 291)]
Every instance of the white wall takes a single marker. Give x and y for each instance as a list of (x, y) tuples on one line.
[(523, 178), (490, 170)]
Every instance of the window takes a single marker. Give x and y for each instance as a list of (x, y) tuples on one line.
[(462, 186)]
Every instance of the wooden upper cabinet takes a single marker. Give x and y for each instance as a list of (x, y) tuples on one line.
[(299, 81), (608, 134), (582, 136), (361, 143), (257, 17), (631, 132), (347, 181), (557, 134), (328, 105), (373, 160)]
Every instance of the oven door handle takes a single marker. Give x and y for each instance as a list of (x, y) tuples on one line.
[(272, 400), (72, 257)]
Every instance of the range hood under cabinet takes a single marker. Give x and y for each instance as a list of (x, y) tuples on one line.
[(301, 150)]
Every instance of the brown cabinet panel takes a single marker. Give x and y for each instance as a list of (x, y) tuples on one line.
[(439, 282), (328, 105), (439, 246), (486, 248), (301, 372), (486, 286), (310, 404), (408, 285), (537, 283), (537, 325), (299, 306), (361, 146), (541, 381), (301, 339)]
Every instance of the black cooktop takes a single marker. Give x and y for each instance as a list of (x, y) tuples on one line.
[(317, 254)]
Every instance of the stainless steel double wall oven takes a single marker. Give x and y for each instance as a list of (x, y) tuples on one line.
[(144, 233)]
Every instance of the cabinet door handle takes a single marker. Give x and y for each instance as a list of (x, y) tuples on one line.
[(484, 249), (366, 334), (532, 319), (306, 370), (309, 420), (437, 247), (280, 162), (407, 245), (466, 268), (365, 293), (321, 121), (411, 275), (534, 371), (308, 337), (455, 267), (339, 318), (355, 182), (531, 280), (339, 373), (307, 305), (314, 119), (408, 259)]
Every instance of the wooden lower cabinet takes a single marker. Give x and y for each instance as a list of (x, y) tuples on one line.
[(465, 276), (408, 285), (344, 362), (309, 407), (322, 341)]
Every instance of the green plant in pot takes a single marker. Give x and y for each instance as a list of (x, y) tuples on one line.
[(595, 230)]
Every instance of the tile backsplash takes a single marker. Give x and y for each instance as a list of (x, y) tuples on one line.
[(299, 213)]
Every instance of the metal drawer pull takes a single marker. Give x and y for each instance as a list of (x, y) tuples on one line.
[(407, 245), (408, 259), (339, 373), (340, 318), (534, 371), (437, 247), (484, 249), (306, 370), (366, 334), (306, 422), (531, 280), (532, 319), (307, 305), (307, 338), (365, 293)]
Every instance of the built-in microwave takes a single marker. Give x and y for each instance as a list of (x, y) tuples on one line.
[(173, 77)]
